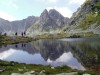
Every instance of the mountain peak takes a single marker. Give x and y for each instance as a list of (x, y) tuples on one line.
[(45, 10), (57, 17), (53, 11), (44, 13), (55, 14)]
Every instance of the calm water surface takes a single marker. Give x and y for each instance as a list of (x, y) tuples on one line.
[(55, 52)]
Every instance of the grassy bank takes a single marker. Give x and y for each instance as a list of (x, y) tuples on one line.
[(14, 40), (66, 35), (14, 67)]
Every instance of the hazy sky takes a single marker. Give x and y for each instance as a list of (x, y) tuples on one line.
[(20, 9)]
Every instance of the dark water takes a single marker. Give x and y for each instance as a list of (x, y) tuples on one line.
[(75, 53)]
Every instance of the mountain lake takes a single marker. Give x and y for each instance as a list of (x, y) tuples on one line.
[(76, 53)]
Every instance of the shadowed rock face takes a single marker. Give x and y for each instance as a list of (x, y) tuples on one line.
[(48, 22), (57, 17)]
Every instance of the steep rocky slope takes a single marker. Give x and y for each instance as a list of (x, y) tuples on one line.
[(86, 19), (16, 26), (49, 22)]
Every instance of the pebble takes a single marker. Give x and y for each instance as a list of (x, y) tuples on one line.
[(12, 63), (72, 73), (43, 71), (20, 69), (86, 74), (32, 72), (1, 70), (52, 67), (26, 73)]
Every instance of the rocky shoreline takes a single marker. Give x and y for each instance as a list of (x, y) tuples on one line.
[(15, 68)]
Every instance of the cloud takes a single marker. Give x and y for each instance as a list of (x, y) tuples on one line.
[(77, 2), (63, 10), (13, 4), (6, 16), (52, 1), (49, 1)]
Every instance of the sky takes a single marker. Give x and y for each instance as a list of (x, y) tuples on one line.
[(20, 9)]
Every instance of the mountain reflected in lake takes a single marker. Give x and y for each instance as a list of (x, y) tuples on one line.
[(54, 52)]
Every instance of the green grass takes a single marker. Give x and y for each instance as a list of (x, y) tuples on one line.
[(51, 36), (4, 40), (88, 34), (22, 68), (13, 40), (87, 72), (96, 6), (89, 20)]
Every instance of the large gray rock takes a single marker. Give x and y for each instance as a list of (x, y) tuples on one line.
[(72, 73), (57, 17), (26, 73), (48, 22)]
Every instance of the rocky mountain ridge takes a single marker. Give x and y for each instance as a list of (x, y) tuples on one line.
[(48, 22), (10, 28), (86, 19)]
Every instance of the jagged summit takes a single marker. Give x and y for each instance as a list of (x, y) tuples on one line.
[(44, 13), (44, 16), (57, 17), (55, 14), (49, 21)]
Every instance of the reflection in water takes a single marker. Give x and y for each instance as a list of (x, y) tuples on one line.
[(55, 52), (16, 45), (67, 59), (21, 56), (88, 51)]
